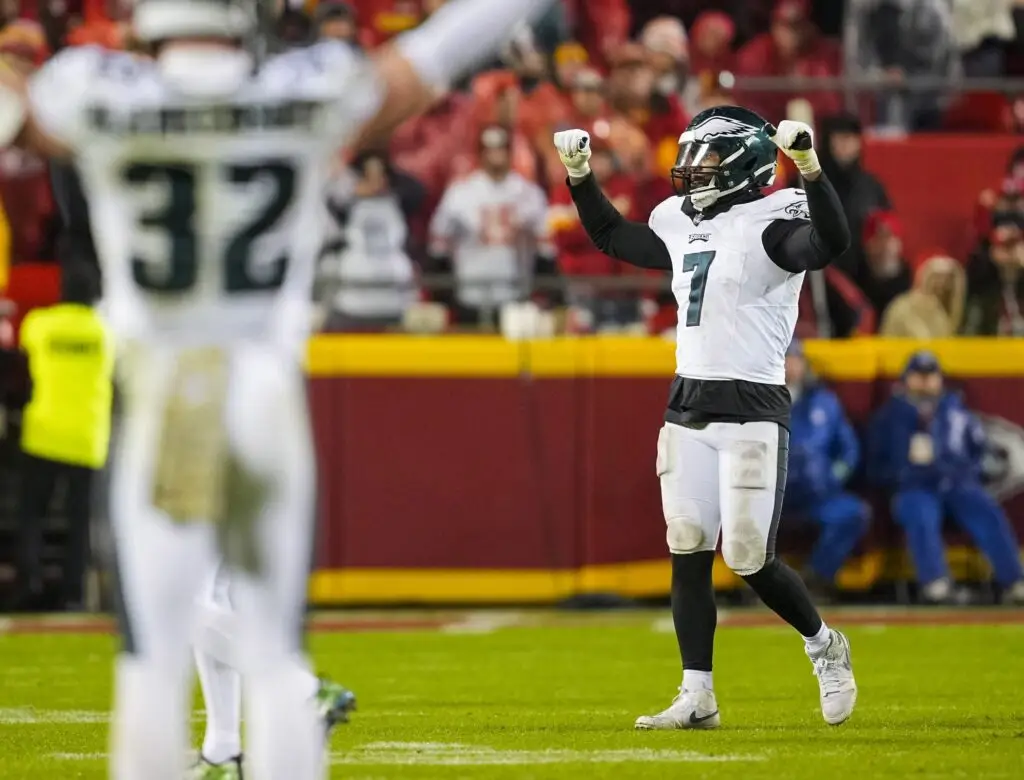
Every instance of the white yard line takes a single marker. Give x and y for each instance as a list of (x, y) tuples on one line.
[(482, 622), (458, 754)]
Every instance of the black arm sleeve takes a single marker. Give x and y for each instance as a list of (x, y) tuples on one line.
[(632, 242), (75, 242), (796, 245)]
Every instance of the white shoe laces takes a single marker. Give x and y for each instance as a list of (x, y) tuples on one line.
[(827, 672)]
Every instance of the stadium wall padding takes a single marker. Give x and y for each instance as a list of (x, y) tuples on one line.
[(463, 469)]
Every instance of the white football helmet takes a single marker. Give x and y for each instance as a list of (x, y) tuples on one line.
[(159, 20)]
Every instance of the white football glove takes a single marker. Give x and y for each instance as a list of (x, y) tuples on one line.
[(574, 150), (796, 140)]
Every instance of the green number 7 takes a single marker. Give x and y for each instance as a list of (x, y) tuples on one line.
[(699, 263)]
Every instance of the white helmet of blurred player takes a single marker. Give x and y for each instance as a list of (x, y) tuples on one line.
[(200, 45)]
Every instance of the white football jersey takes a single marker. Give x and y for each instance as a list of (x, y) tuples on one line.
[(491, 229), (737, 309), (206, 212)]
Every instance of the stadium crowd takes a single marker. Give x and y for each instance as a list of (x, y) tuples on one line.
[(426, 235)]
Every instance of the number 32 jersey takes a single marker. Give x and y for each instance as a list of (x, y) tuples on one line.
[(206, 212), (737, 308)]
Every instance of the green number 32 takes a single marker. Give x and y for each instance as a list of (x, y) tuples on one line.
[(699, 263), (178, 270)]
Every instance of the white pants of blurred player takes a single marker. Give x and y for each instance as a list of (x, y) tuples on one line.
[(165, 561)]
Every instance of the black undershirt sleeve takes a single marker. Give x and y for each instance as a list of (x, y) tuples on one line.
[(796, 245), (632, 242)]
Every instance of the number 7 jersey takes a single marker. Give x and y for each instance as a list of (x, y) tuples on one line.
[(737, 308), (207, 213)]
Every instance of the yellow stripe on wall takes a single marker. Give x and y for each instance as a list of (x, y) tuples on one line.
[(639, 579), (859, 359)]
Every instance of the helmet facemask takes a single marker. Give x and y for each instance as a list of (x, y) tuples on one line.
[(696, 172)]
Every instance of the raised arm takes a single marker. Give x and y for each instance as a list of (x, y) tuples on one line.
[(420, 66), (632, 242), (811, 243)]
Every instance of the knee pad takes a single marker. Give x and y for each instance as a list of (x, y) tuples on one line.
[(745, 548), (684, 532)]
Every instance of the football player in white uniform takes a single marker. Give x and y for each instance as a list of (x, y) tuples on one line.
[(738, 259), (204, 173)]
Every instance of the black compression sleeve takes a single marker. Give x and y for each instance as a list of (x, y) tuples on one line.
[(796, 245), (632, 242)]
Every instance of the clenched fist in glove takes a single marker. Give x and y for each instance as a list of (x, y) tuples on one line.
[(574, 150), (796, 140)]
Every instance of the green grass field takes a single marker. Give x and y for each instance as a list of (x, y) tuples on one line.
[(545, 695)]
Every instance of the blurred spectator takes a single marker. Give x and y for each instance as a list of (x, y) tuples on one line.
[(498, 100), (995, 291), (981, 29), (24, 177), (900, 39), (66, 428), (883, 275), (711, 39), (104, 23), (860, 192), (491, 231), (832, 306), (667, 48), (373, 269), (600, 25), (336, 20), (425, 147), (631, 93), (934, 307), (540, 106), (792, 47), (295, 27), (569, 59), (925, 448), (588, 110), (823, 453)]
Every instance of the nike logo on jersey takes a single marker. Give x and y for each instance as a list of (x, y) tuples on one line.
[(694, 720)]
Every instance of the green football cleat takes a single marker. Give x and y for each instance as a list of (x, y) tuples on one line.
[(204, 770), (334, 702)]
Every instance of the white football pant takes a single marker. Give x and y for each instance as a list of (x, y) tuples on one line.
[(164, 563), (728, 479)]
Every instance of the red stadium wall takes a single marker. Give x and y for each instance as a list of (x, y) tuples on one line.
[(934, 182), (475, 469)]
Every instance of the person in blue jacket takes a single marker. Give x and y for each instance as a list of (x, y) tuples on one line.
[(823, 453), (925, 447)]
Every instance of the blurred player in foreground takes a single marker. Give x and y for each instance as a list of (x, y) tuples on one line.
[(204, 175), (738, 259)]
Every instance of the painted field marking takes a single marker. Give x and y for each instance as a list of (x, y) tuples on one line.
[(459, 754), (30, 716), (482, 623)]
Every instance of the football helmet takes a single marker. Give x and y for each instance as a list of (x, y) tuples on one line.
[(724, 151)]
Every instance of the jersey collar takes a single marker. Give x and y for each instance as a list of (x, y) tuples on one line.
[(719, 208)]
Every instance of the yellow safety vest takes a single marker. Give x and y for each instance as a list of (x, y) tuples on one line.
[(71, 360)]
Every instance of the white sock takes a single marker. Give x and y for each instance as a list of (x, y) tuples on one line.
[(148, 731), (222, 692), (818, 644), (697, 681), (284, 734)]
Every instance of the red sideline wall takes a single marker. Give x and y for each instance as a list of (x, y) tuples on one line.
[(474, 469)]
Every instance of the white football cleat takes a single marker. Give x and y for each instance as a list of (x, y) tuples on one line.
[(835, 679), (688, 710)]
